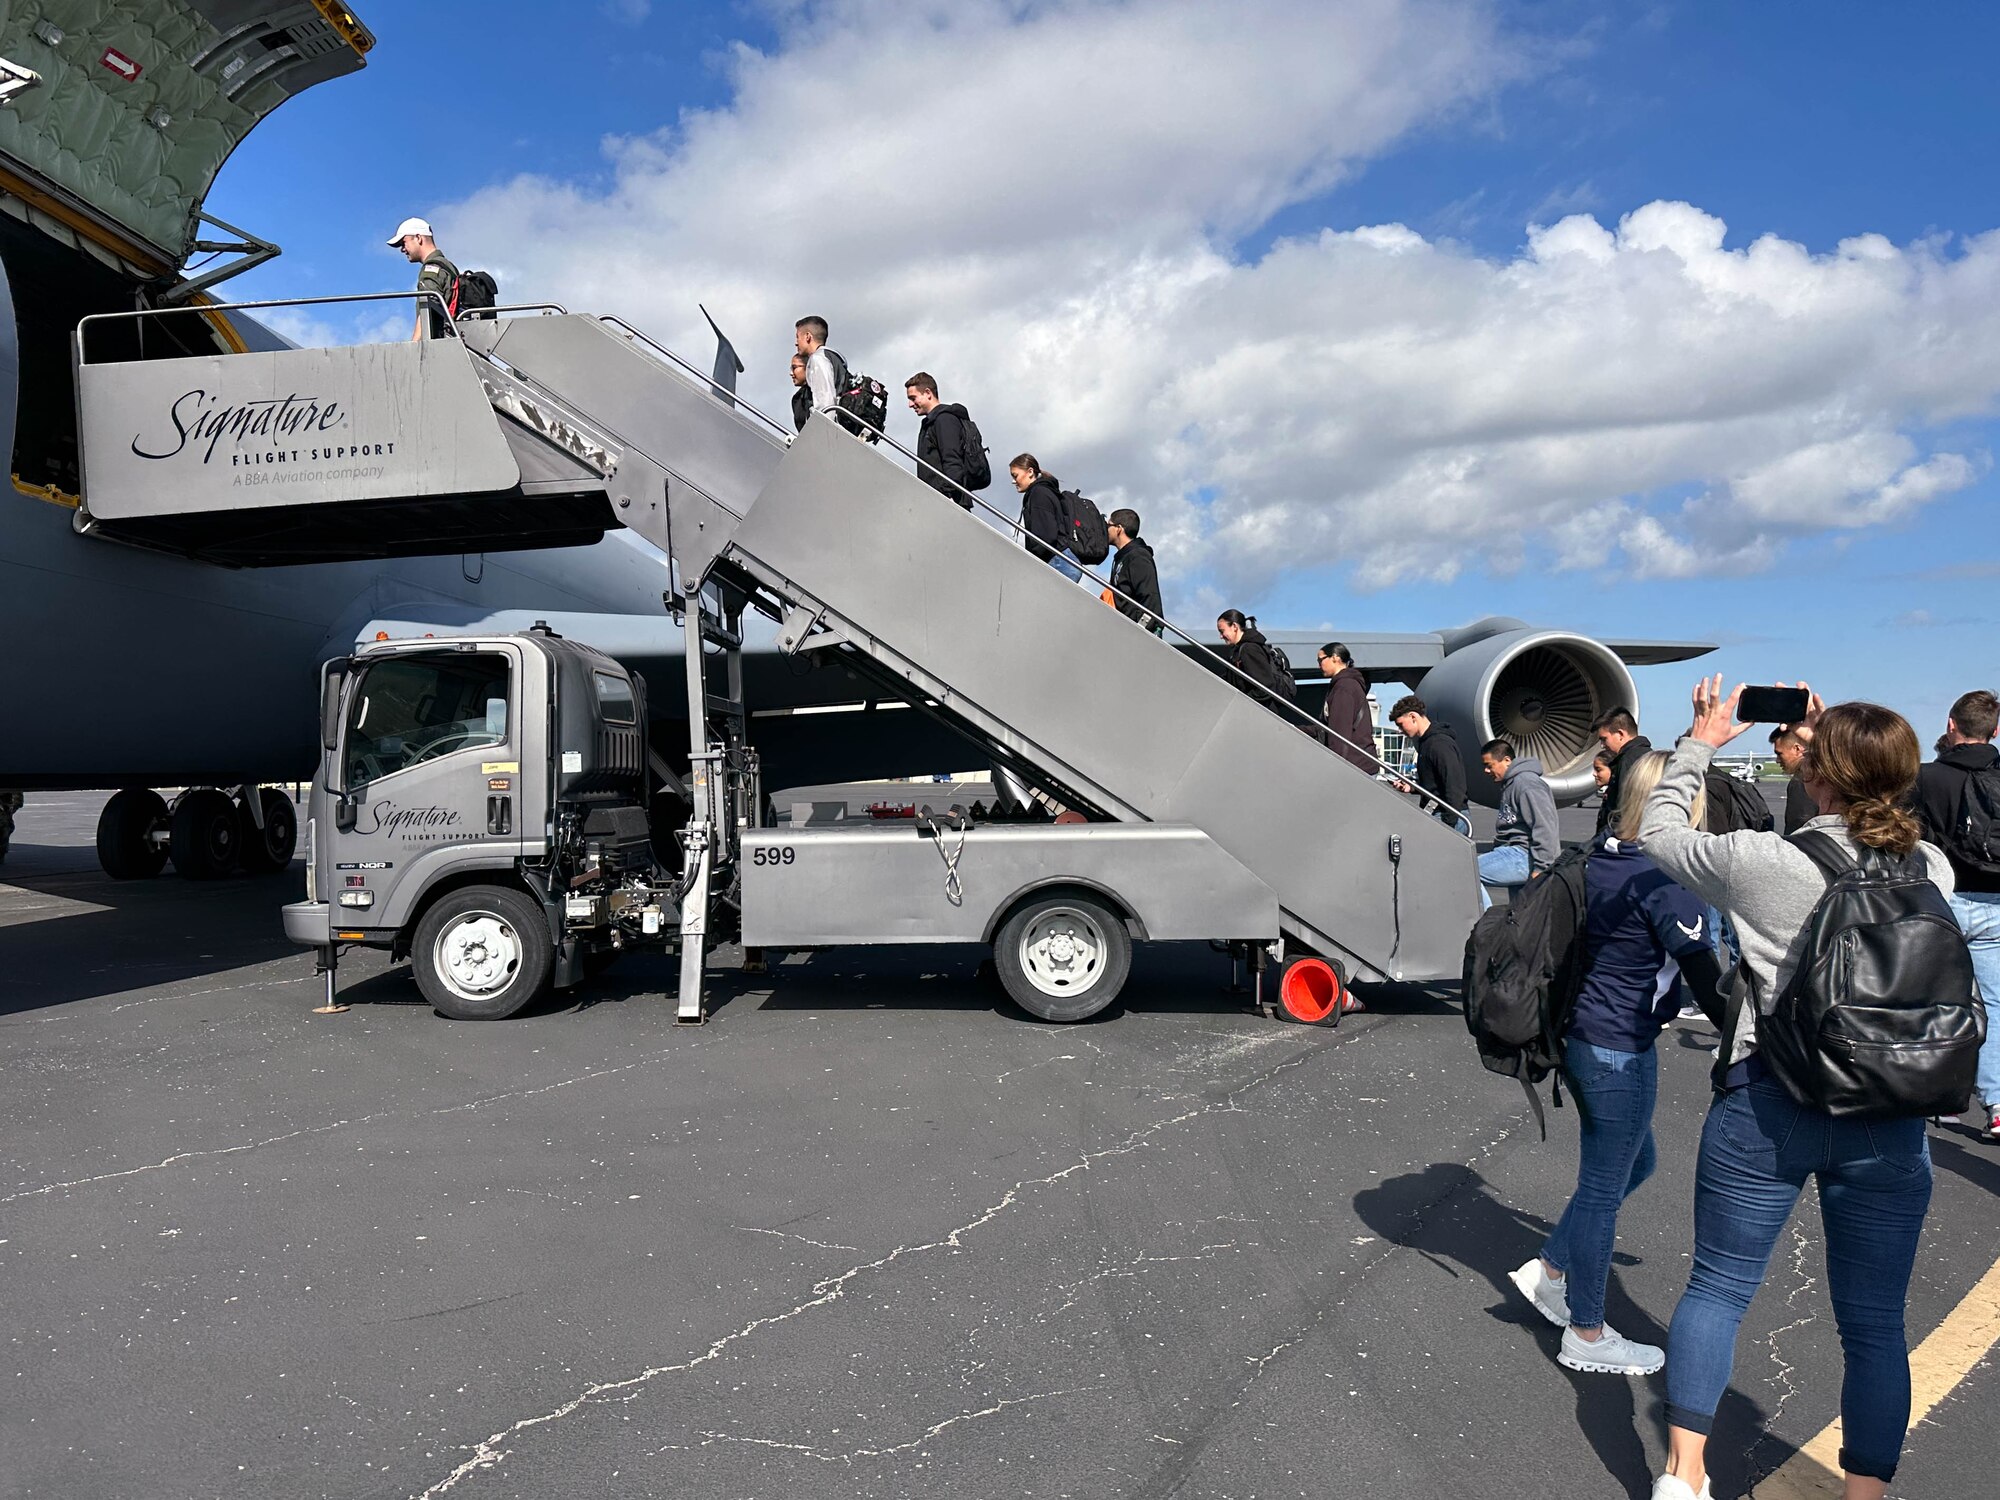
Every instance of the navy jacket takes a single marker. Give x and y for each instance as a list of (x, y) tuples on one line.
[(1639, 927)]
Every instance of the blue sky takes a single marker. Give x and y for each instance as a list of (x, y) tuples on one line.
[(1812, 123)]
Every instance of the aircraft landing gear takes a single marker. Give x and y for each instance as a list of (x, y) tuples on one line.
[(210, 833), (131, 842), (207, 834), (269, 828)]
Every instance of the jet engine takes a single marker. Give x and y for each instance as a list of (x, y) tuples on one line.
[(1539, 689)]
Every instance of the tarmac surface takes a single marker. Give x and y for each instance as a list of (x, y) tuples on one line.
[(869, 1232)]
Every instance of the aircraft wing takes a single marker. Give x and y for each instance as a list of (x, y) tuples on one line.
[(1658, 653)]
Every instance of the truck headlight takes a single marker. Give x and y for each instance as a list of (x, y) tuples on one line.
[(362, 899)]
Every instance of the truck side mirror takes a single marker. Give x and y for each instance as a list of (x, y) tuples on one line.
[(333, 677), (344, 811)]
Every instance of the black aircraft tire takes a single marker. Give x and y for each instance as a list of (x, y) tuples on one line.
[(270, 848), (1063, 955), (124, 850), (207, 835), (481, 953)]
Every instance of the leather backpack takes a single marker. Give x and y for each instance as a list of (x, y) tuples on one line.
[(1883, 1017)]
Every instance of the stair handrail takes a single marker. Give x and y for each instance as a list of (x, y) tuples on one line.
[(1213, 658), (612, 321), (212, 308)]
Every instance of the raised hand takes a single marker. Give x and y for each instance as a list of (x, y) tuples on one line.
[(1714, 715)]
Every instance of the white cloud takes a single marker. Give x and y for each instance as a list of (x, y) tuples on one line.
[(1041, 204), (627, 12)]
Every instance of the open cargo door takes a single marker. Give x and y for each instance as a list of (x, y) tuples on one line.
[(120, 116)]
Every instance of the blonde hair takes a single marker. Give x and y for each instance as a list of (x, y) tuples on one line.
[(1640, 779)]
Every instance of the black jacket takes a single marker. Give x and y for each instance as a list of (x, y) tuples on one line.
[(1348, 733), (941, 444), (802, 406), (1441, 770), (1252, 657), (1135, 575), (1045, 517), (1940, 783), (1637, 746), (1800, 808)]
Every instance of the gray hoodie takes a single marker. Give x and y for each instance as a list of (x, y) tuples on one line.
[(1528, 814), (1763, 884)]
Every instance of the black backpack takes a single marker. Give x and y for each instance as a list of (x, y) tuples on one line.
[(862, 399), (1736, 806), (978, 471), (1288, 685), (1089, 541), (477, 292), (1523, 965), (1883, 1017), (1974, 836)]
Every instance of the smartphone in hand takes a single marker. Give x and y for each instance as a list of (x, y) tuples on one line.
[(1771, 705)]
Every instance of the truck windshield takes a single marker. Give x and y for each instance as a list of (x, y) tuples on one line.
[(416, 708)]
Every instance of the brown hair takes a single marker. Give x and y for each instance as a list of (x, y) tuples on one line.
[(1867, 755), (1026, 463), (1977, 714), (921, 381), (1640, 779)]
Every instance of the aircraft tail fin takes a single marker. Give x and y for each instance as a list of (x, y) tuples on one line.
[(728, 363)]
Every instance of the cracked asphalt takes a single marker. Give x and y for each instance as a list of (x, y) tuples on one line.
[(869, 1233)]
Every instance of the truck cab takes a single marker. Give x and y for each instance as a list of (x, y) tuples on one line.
[(476, 799)]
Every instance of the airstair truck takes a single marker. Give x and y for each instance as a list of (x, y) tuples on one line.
[(1205, 812), (483, 808)]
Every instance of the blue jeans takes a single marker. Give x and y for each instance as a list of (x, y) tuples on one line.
[(1722, 938), (1978, 914), (1614, 1100), (1757, 1150), (1067, 568), (1504, 865)]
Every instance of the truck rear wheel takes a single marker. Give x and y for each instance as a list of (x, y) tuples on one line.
[(482, 953), (1063, 955), (125, 847)]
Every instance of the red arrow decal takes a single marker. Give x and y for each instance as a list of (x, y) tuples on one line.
[(120, 64)]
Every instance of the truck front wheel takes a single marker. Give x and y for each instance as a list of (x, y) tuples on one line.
[(481, 953), (1063, 955)]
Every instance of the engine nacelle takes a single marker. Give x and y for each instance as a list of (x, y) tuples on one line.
[(1538, 688)]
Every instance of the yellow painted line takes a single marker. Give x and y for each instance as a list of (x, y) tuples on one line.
[(1937, 1365)]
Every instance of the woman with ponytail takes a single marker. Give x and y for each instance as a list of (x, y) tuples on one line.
[(1759, 1146)]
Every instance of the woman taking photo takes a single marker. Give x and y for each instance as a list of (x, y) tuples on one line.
[(1759, 1146), (1646, 939)]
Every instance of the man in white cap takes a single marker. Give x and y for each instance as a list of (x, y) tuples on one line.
[(439, 276)]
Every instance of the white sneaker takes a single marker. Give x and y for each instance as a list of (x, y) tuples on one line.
[(1666, 1487), (1548, 1295), (1612, 1354)]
